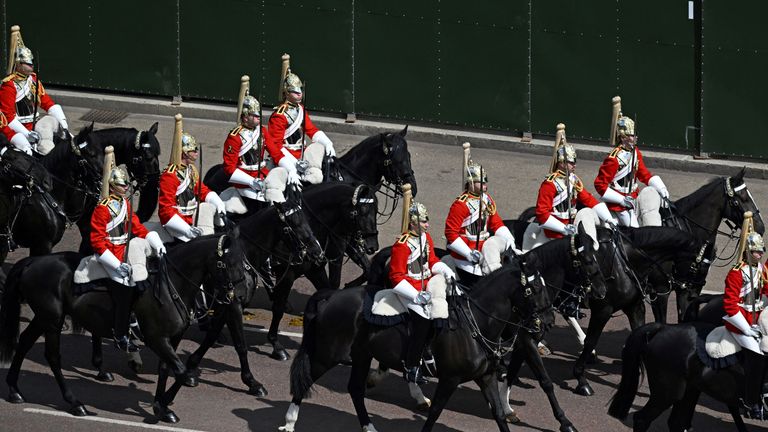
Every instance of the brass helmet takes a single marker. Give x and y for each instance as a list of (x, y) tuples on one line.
[(119, 176), (24, 55), (625, 126), (418, 212), (755, 242), (250, 106), (18, 52), (188, 142), (292, 83), (563, 151), (566, 153), (476, 173)]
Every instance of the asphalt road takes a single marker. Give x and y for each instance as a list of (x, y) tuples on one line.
[(220, 402)]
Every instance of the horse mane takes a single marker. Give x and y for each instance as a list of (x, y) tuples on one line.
[(55, 160), (122, 139), (364, 147), (688, 203), (325, 191)]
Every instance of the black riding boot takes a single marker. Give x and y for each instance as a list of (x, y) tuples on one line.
[(467, 279), (754, 372), (122, 297), (420, 329)]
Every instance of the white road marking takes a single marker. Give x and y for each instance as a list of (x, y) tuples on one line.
[(109, 420), (263, 330)]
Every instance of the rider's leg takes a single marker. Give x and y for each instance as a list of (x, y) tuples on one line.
[(122, 296), (420, 329)]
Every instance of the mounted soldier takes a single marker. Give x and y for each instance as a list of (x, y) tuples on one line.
[(122, 258), (559, 196), (471, 220), (616, 181), (288, 125), (414, 273), (21, 93), (186, 206), (745, 297), (246, 164)]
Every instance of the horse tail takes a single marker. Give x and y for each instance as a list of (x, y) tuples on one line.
[(631, 369), (301, 368), (10, 311)]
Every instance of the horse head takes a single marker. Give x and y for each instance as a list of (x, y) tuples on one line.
[(296, 228), (225, 268), (90, 159), (397, 159), (740, 201), (532, 299), (145, 155), (584, 260), (363, 214)]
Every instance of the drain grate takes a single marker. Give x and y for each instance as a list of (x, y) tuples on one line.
[(104, 116)]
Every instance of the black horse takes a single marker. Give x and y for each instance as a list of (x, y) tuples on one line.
[(337, 213), (627, 257), (40, 215), (334, 325), (676, 376), (45, 282), (570, 269), (700, 214), (140, 152)]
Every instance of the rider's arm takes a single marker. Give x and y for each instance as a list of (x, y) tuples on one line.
[(605, 175), (732, 292), (166, 199), (398, 263), (547, 192), (274, 136), (642, 172)]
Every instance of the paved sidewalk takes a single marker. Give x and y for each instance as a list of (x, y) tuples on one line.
[(329, 123)]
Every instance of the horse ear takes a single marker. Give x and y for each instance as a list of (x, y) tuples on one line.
[(740, 175), (404, 131), (153, 129), (581, 228)]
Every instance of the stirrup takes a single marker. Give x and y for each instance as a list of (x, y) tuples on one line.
[(413, 375), (125, 344), (429, 362)]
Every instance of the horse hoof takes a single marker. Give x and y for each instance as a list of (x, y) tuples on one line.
[(568, 428), (136, 367), (191, 381), (584, 390), (281, 355), (512, 418), (592, 358), (105, 377), (78, 411), (424, 406), (258, 390), (15, 397)]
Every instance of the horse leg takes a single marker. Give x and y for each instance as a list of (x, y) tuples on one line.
[(505, 387), (597, 322), (682, 411), (636, 315), (166, 351), (279, 300), (214, 330), (334, 272), (361, 363), (234, 317), (304, 372), (97, 360), (659, 307), (533, 358), (489, 386), (53, 356), (736, 414), (657, 404), (26, 340), (376, 375), (445, 388)]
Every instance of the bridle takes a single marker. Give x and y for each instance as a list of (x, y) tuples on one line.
[(138, 160), (361, 234), (225, 287)]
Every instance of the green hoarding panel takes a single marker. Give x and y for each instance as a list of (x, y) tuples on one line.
[(483, 65), (656, 70), (134, 46), (318, 37), (213, 57), (735, 58), (396, 60), (63, 55), (573, 70)]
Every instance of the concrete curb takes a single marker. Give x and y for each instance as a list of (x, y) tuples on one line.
[(447, 136)]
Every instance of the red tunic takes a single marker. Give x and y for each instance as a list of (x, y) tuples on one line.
[(462, 221), (8, 96), (233, 160), (278, 123), (103, 215), (552, 200), (613, 166), (736, 293), (404, 258), (168, 200), (4, 128)]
